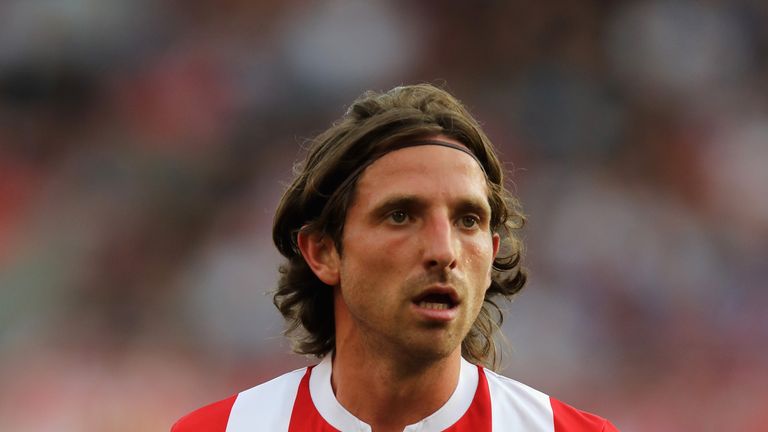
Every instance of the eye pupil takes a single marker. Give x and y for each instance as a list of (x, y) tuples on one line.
[(469, 221), (399, 216)]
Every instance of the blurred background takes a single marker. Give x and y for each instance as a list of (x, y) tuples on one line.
[(144, 146)]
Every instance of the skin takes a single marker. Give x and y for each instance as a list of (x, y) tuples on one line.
[(419, 221)]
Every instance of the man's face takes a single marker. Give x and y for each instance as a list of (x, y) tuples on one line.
[(417, 251)]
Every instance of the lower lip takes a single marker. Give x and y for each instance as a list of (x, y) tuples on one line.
[(443, 315)]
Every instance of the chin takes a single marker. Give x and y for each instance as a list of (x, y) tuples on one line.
[(430, 352)]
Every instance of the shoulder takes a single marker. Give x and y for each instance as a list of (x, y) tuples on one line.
[(212, 417), (568, 418), (517, 406), (266, 404)]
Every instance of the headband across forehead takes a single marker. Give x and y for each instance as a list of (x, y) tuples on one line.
[(422, 142), (413, 143)]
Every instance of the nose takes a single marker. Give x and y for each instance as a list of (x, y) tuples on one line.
[(439, 244)]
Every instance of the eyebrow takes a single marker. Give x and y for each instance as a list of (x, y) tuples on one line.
[(408, 202), (473, 206)]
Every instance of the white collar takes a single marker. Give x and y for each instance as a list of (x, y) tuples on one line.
[(337, 416)]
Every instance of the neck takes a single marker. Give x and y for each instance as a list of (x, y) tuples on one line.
[(390, 393)]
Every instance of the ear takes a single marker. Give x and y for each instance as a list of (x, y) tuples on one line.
[(320, 253), (496, 242)]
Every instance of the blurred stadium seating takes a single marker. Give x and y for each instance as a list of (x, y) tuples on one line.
[(144, 145)]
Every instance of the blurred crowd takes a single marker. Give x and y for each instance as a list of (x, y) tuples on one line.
[(144, 145)]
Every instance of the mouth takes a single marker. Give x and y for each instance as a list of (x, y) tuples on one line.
[(438, 303)]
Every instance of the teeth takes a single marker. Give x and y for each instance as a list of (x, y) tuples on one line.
[(436, 306)]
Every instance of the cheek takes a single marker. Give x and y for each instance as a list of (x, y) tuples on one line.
[(368, 265), (379, 251), (479, 264), (479, 254)]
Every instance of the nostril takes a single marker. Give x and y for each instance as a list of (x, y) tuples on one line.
[(435, 263)]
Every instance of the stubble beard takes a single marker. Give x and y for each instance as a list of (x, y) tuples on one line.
[(421, 344)]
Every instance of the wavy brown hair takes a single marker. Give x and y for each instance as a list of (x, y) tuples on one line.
[(323, 189)]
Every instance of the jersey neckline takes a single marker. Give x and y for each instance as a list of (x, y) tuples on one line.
[(337, 416)]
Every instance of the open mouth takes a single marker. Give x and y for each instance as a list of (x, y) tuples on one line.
[(436, 301)]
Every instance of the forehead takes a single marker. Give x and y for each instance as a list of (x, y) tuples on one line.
[(432, 170)]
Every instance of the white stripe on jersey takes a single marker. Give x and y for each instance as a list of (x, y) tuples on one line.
[(517, 407), (266, 407)]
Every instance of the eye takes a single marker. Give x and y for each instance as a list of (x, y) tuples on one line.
[(398, 217), (469, 221)]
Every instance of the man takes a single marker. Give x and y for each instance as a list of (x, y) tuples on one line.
[(399, 234)]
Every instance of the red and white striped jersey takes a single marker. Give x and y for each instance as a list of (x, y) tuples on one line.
[(303, 401)]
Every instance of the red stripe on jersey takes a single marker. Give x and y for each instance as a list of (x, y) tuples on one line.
[(305, 416), (478, 416), (210, 418), (570, 419)]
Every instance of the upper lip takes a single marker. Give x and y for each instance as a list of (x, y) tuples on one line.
[(445, 290)]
